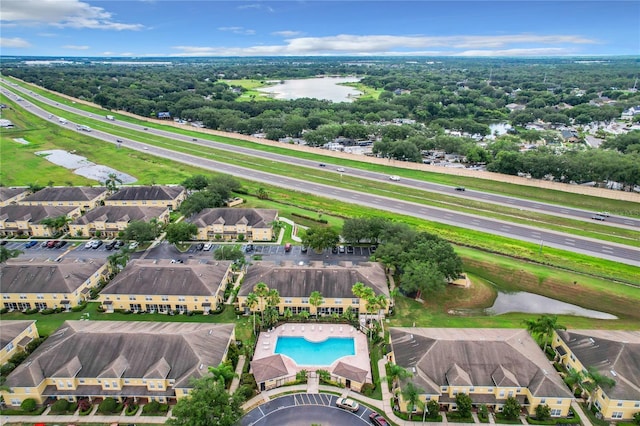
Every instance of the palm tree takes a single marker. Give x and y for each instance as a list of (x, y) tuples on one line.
[(397, 373), (594, 381), (56, 223), (411, 394), (273, 298), (252, 301), (118, 261), (223, 373), (574, 378), (112, 182), (543, 327), (316, 299), (261, 290)]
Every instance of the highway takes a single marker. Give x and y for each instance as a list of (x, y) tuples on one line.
[(544, 238)]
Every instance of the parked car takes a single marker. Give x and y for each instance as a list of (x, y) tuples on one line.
[(341, 250), (394, 178), (378, 420), (303, 249), (51, 244), (459, 188), (60, 244), (287, 247), (348, 404), (199, 246), (30, 244), (334, 250), (133, 245), (89, 244), (249, 248), (3, 243), (96, 244), (207, 246), (373, 249), (350, 249), (110, 245), (176, 261), (119, 244), (44, 244)]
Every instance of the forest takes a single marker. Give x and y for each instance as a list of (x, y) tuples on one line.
[(443, 104)]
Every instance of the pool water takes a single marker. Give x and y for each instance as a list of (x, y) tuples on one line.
[(324, 353)]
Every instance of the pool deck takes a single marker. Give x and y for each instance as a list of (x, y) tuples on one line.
[(316, 332)]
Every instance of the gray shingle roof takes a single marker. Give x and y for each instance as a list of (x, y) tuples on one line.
[(67, 193), (145, 277), (610, 352), (10, 329), (46, 277), (350, 372), (139, 193), (255, 218), (483, 357), (33, 214), (7, 193), (269, 368), (113, 214), (127, 349), (332, 281)]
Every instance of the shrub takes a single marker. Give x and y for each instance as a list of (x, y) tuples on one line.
[(636, 418), (18, 357), (246, 392), (108, 406), (151, 408), (60, 406), (7, 368), (249, 380), (47, 311), (543, 412), (79, 308), (84, 405), (31, 311), (511, 409), (368, 389), (28, 405)]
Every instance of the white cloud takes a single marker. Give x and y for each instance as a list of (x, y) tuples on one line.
[(286, 33), (75, 47), (535, 51), (255, 6), (60, 13), (237, 30), (14, 42)]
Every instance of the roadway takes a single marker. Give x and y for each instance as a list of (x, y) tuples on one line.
[(545, 238)]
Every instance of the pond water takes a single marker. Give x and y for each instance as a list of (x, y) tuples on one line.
[(83, 167), (327, 88), (535, 304)]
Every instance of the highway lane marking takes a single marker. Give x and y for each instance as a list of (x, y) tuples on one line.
[(605, 248), (571, 243)]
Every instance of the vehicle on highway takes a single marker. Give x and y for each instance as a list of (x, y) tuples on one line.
[(340, 169), (30, 244), (146, 148), (207, 247), (322, 165), (598, 217), (119, 140), (62, 120), (605, 214), (377, 419), (394, 178), (83, 128), (110, 117), (287, 247), (348, 404), (459, 188), (133, 245)]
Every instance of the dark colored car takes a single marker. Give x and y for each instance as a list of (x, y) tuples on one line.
[(378, 420), (60, 244), (334, 250), (287, 247), (373, 249), (460, 188), (350, 249), (3, 243), (51, 244), (303, 249), (249, 248), (96, 244), (322, 165), (30, 244), (119, 244), (111, 245), (199, 246)]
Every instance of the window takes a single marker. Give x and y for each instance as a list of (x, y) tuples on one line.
[(471, 389), (127, 381), (288, 301), (132, 298), (490, 390), (637, 404), (69, 384), (519, 390), (115, 384), (502, 394), (543, 400), (556, 412), (15, 402), (338, 301), (41, 306), (355, 301), (181, 299), (616, 415), (165, 298), (444, 389), (152, 385), (23, 296), (5, 296), (148, 298), (619, 403), (455, 391), (305, 300), (60, 384), (81, 381), (106, 385), (39, 296), (510, 393), (9, 347)]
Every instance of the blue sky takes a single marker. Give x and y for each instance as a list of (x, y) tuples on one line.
[(165, 28)]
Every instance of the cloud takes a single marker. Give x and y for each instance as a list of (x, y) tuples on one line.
[(256, 6), (14, 42), (74, 47), (286, 33), (535, 51), (61, 14), (237, 30)]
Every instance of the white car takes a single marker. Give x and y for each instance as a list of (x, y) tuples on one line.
[(340, 169), (89, 244), (207, 247), (348, 404), (133, 245), (394, 178)]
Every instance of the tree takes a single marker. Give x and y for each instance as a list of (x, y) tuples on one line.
[(252, 301), (595, 380), (112, 182), (422, 276), (223, 373), (397, 372), (262, 291), (543, 412), (142, 232), (118, 261), (316, 300), (411, 394), (208, 403), (574, 378), (320, 238), (181, 231), (229, 253), (543, 328), (262, 194), (56, 223), (511, 408), (6, 254), (196, 182), (464, 404)]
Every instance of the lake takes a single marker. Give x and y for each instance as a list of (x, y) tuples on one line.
[(522, 301), (327, 88)]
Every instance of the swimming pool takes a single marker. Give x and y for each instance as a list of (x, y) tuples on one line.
[(304, 352)]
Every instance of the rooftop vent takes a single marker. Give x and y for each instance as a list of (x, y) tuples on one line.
[(613, 373)]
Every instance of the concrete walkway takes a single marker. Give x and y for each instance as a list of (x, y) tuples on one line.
[(77, 419)]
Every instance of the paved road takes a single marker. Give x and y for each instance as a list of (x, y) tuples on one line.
[(486, 197), (592, 247)]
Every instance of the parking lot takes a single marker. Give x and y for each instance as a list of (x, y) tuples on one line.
[(305, 409), (72, 250)]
